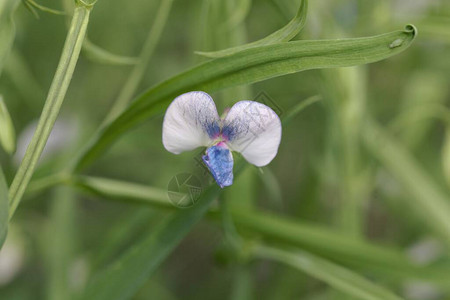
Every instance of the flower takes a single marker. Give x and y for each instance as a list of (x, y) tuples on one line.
[(250, 128)]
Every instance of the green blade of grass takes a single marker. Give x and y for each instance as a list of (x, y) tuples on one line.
[(285, 34), (385, 260), (124, 277), (317, 239), (120, 234), (7, 28), (335, 275), (432, 204), (4, 204), (248, 66)]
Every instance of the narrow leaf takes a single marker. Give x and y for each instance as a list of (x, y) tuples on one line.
[(248, 66), (125, 276), (115, 189), (7, 132), (122, 278), (335, 275), (120, 234), (385, 260), (285, 34)]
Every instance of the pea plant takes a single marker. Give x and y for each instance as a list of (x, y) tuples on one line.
[(326, 184)]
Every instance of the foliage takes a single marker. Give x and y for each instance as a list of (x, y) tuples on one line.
[(355, 206)]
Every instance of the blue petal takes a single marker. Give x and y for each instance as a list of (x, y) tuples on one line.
[(219, 161)]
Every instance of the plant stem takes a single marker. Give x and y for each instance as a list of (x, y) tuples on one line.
[(135, 78), (52, 104)]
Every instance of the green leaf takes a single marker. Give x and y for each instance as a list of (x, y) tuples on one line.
[(7, 132), (122, 278), (317, 239), (335, 275), (102, 56), (245, 67), (285, 34), (120, 234), (7, 28), (4, 204), (432, 204), (387, 261), (115, 189), (125, 276)]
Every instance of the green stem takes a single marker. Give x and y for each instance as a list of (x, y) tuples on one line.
[(52, 104), (138, 71)]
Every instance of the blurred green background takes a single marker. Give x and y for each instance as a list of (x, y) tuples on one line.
[(326, 173)]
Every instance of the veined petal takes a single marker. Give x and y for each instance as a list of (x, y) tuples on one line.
[(191, 121), (254, 130)]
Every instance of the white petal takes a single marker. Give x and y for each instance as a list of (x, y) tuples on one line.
[(191, 121), (254, 130)]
